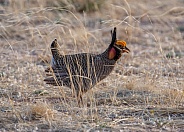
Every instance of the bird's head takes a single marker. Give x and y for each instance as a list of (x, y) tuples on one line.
[(121, 46), (117, 47)]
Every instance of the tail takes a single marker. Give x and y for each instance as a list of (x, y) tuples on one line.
[(55, 49), (55, 55)]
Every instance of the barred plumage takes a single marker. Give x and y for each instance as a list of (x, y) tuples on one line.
[(83, 71)]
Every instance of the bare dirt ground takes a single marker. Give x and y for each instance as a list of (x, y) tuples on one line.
[(145, 92)]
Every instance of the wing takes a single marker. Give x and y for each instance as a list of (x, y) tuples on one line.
[(67, 69), (81, 70)]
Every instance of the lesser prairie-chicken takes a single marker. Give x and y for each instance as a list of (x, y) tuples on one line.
[(83, 71)]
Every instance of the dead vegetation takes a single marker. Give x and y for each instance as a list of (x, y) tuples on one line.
[(144, 93)]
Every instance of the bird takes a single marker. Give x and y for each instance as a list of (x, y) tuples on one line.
[(83, 71)]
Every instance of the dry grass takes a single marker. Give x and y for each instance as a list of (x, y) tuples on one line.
[(144, 93)]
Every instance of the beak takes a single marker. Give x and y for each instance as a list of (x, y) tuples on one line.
[(125, 49)]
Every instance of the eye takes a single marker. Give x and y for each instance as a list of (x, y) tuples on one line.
[(121, 46)]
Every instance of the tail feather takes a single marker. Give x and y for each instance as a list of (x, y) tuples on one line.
[(55, 79), (54, 44), (55, 50), (52, 81), (48, 69)]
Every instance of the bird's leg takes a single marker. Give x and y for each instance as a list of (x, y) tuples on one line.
[(73, 92), (79, 99), (61, 91)]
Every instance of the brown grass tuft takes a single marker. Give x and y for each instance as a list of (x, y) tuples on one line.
[(42, 110)]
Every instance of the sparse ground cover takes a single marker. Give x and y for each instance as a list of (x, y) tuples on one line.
[(145, 92)]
